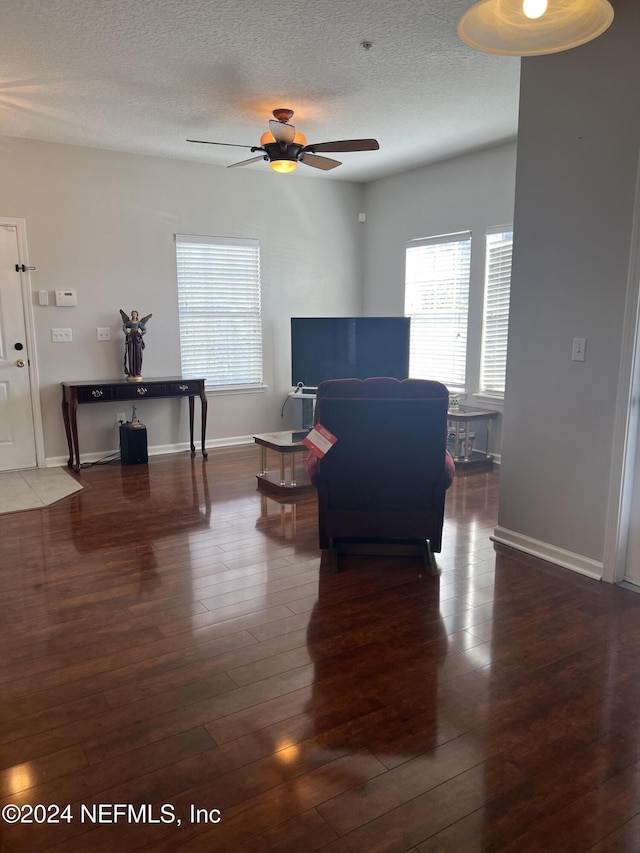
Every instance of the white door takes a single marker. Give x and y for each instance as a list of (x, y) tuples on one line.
[(622, 540), (632, 573), (17, 436)]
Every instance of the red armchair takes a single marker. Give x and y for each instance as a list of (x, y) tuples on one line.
[(385, 479)]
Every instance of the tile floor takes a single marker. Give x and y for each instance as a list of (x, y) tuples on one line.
[(34, 488)]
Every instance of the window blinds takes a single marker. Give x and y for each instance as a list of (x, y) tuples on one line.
[(437, 300), (219, 309), (496, 311)]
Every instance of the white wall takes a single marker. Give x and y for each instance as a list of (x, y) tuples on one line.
[(578, 145), (103, 223), (470, 193)]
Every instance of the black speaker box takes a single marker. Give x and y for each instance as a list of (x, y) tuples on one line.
[(133, 445)]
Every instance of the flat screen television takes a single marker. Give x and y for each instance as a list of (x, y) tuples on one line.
[(348, 347)]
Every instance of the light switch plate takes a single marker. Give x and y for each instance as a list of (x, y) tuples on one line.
[(579, 348), (61, 336)]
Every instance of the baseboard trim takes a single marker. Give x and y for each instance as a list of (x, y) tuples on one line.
[(549, 553), (156, 450)]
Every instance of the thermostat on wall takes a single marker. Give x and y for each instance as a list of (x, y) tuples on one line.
[(65, 298)]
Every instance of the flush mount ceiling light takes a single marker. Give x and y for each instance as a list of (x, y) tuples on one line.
[(533, 27)]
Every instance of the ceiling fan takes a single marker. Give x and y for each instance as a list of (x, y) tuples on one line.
[(284, 147)]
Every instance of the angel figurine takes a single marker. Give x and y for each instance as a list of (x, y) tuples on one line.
[(134, 329)]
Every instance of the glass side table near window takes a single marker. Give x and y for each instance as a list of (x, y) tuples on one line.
[(285, 443), (461, 437)]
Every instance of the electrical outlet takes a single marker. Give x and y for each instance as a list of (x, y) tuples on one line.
[(121, 418), (103, 333), (59, 336)]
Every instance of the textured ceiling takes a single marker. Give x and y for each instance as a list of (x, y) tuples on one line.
[(145, 75)]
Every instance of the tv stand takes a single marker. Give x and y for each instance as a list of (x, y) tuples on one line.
[(307, 397)]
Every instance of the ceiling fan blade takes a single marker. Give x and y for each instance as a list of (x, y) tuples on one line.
[(282, 132), (345, 145), (246, 162), (324, 163), (231, 144)]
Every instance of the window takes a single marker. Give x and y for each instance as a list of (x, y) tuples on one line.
[(219, 309), (437, 300), (495, 327)]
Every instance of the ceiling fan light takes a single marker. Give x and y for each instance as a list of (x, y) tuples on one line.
[(298, 138), (283, 166), (502, 27)]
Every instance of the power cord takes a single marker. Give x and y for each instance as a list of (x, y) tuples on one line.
[(299, 386), (105, 460)]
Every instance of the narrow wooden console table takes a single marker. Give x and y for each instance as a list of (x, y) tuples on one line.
[(78, 393)]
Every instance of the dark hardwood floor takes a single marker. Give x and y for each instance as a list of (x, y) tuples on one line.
[(171, 638)]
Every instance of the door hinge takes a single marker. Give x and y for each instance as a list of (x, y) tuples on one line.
[(22, 268)]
